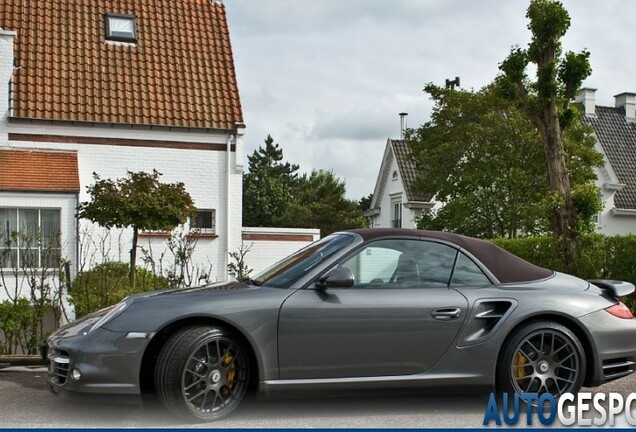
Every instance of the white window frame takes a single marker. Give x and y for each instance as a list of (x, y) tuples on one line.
[(39, 247), (205, 230), (396, 212), (112, 34)]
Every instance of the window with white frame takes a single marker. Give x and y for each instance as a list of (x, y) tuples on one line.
[(396, 213), (29, 238), (204, 221), (120, 28)]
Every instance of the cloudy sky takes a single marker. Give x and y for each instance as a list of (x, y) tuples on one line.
[(327, 78)]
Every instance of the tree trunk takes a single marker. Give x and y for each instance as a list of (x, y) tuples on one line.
[(563, 219), (133, 257)]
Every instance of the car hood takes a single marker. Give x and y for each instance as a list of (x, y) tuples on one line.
[(227, 301), (209, 288)]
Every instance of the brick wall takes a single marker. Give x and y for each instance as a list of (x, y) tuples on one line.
[(270, 245), (202, 171)]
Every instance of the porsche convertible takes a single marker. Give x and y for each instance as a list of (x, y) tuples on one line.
[(360, 309)]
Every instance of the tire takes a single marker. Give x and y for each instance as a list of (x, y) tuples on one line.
[(542, 357), (202, 373)]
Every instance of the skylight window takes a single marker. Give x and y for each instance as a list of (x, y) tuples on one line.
[(121, 28)]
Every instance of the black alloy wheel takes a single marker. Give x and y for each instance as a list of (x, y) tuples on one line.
[(202, 373), (542, 357)]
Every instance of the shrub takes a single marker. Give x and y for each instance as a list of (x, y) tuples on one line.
[(107, 284), (18, 327)]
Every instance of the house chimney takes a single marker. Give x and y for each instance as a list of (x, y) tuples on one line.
[(627, 101), (587, 98), (402, 124)]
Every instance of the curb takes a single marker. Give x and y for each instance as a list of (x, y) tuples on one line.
[(21, 360), (32, 369)]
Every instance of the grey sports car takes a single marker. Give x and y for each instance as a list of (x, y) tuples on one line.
[(361, 309)]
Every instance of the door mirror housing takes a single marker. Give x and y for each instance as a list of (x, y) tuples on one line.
[(340, 277)]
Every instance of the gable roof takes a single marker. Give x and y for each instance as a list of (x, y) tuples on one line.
[(401, 151), (38, 171), (408, 170), (617, 137), (179, 73)]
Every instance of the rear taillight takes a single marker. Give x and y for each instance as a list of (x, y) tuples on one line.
[(620, 310)]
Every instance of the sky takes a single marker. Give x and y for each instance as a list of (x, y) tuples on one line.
[(327, 78)]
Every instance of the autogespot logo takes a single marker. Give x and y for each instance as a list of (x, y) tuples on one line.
[(583, 409)]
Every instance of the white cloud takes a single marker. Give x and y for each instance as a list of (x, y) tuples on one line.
[(327, 77)]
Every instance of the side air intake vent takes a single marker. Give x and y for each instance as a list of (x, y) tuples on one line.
[(484, 319)]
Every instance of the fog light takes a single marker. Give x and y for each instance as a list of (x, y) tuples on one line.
[(76, 374)]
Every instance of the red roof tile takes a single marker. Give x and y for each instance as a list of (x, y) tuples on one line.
[(35, 170), (180, 72)]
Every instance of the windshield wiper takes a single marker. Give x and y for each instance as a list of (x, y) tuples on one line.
[(252, 282)]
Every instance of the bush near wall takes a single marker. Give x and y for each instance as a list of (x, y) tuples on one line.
[(107, 284), (600, 257)]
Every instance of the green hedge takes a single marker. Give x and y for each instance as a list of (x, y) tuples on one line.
[(106, 284), (600, 257)]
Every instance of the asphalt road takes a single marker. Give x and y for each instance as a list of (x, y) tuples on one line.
[(26, 402)]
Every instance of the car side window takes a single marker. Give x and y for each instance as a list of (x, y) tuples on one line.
[(402, 264), (468, 274)]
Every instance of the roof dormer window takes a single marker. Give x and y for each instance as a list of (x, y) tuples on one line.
[(120, 28)]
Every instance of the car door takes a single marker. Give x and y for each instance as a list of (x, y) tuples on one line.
[(399, 318)]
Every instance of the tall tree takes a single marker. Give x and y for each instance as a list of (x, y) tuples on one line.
[(546, 102), (267, 186), (482, 158), (319, 202), (139, 201)]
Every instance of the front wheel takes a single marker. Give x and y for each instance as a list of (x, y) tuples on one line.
[(202, 373), (542, 357)]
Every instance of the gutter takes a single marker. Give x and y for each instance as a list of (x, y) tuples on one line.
[(623, 212)]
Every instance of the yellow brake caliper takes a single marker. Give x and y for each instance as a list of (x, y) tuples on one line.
[(520, 361), (231, 374)]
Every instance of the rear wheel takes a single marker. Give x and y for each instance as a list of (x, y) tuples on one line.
[(202, 373), (542, 357)]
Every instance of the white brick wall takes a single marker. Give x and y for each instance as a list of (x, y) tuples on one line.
[(265, 253), (202, 171)]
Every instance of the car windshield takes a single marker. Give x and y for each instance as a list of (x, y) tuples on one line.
[(288, 270)]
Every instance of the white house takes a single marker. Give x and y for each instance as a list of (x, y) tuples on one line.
[(111, 87), (395, 203), (615, 132)]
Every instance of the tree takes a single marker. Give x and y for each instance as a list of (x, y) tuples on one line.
[(319, 202), (365, 202), (482, 158), (139, 201), (546, 102), (268, 186)]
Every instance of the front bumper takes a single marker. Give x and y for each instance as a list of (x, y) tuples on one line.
[(614, 343), (101, 364)]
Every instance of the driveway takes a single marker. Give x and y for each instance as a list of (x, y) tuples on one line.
[(27, 403)]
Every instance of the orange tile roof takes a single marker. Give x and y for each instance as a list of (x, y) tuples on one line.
[(180, 72), (35, 170)]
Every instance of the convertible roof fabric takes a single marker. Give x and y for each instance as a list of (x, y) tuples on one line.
[(506, 267)]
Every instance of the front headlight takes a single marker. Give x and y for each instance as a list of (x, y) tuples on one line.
[(112, 313)]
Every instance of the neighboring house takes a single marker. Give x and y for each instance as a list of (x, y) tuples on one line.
[(615, 132), (109, 87), (395, 203)]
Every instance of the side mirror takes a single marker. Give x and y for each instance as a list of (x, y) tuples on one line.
[(340, 277)]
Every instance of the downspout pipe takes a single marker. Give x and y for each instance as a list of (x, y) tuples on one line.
[(228, 172)]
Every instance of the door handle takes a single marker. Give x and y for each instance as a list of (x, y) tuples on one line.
[(446, 314)]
